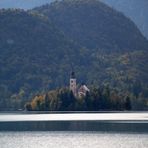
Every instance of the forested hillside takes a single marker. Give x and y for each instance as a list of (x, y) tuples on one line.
[(31, 52), (116, 81), (134, 9), (94, 25), (39, 48)]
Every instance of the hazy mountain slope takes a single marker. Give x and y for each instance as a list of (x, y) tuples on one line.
[(94, 25), (31, 51), (137, 10)]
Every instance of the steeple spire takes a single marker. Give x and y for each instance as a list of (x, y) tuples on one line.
[(72, 75)]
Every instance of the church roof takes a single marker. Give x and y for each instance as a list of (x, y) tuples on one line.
[(73, 75), (83, 89)]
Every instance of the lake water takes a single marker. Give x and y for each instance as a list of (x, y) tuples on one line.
[(72, 140), (120, 116), (117, 121), (103, 124)]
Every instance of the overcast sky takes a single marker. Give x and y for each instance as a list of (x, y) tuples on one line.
[(23, 4)]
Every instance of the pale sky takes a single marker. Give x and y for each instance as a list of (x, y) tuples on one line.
[(23, 4)]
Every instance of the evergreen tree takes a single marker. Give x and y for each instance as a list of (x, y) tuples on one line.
[(47, 102), (128, 105), (28, 107)]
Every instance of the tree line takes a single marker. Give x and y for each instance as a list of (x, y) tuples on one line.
[(98, 99)]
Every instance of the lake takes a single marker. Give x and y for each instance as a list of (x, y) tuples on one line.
[(72, 140), (74, 130), (74, 116), (117, 121)]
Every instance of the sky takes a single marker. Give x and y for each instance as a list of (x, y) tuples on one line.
[(23, 4)]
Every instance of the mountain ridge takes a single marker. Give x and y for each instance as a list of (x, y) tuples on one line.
[(93, 24), (134, 9)]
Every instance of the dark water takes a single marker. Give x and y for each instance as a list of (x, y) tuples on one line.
[(72, 140), (117, 122)]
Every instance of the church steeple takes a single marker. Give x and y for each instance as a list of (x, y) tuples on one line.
[(73, 75), (73, 83)]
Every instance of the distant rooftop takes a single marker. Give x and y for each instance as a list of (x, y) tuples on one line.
[(73, 75)]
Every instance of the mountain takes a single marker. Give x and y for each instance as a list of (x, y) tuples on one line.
[(137, 10), (31, 51), (94, 25), (38, 52)]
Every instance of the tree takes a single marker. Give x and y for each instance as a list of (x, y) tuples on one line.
[(88, 101), (106, 101), (128, 105), (28, 107), (47, 102)]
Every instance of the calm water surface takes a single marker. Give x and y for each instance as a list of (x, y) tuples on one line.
[(72, 140)]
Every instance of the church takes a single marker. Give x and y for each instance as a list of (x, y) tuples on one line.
[(78, 92)]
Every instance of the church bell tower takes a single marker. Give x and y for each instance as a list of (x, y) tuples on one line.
[(73, 84)]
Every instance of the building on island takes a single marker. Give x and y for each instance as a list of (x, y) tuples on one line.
[(73, 84), (78, 92), (83, 90)]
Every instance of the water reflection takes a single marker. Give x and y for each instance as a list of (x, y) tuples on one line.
[(72, 140), (74, 126)]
